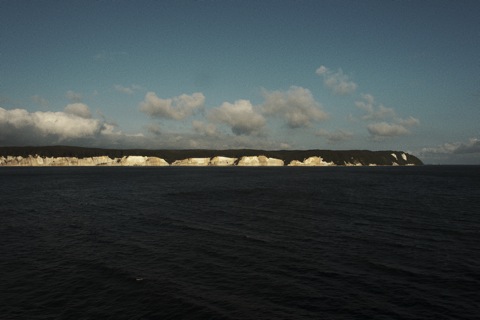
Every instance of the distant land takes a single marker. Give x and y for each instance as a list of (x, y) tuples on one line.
[(80, 156)]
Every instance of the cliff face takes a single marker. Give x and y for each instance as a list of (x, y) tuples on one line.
[(37, 161), (197, 162), (222, 161), (74, 156), (256, 161), (311, 162)]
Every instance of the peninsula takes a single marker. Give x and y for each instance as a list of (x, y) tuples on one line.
[(79, 156)]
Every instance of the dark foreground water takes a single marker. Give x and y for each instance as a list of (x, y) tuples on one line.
[(240, 243)]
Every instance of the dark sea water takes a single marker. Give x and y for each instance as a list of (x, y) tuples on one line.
[(240, 243)]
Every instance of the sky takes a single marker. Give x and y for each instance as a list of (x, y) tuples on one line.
[(299, 74)]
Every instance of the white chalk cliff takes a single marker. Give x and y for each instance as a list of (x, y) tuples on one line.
[(256, 161), (222, 161), (393, 159), (198, 162), (311, 162), (37, 161)]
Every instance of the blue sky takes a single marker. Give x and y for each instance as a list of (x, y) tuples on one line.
[(378, 75)]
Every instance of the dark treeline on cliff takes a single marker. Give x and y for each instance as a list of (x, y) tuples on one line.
[(339, 157)]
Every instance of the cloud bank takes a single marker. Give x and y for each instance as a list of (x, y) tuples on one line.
[(459, 152), (470, 146)]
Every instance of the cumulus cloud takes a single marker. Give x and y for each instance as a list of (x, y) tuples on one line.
[(127, 90), (21, 125), (240, 116), (73, 96), (177, 108), (296, 106), (338, 82), (335, 136), (207, 129), (78, 109)]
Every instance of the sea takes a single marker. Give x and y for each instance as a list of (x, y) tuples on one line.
[(240, 243)]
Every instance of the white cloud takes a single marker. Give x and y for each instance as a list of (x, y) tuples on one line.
[(381, 130), (296, 106), (335, 136), (78, 109), (63, 125), (73, 96), (240, 116), (177, 108), (338, 82), (19, 124), (207, 129)]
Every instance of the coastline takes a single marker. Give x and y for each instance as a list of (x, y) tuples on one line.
[(77, 156)]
